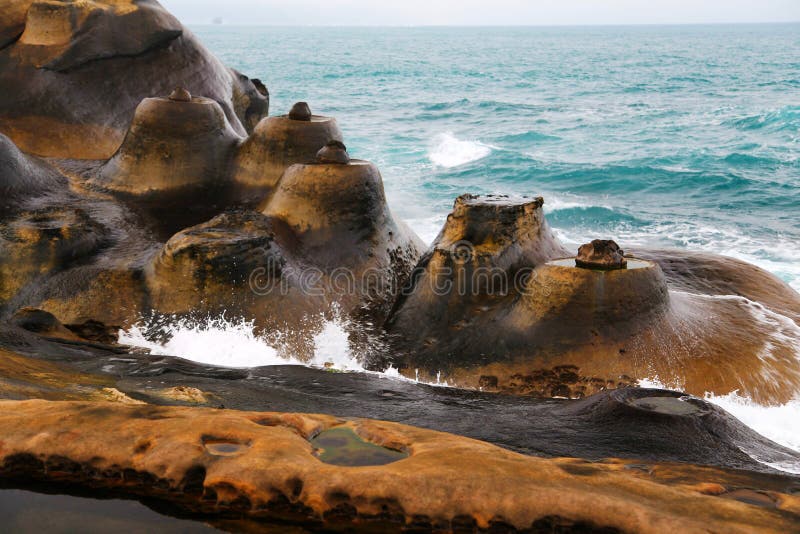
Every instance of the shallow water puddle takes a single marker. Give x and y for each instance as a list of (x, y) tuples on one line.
[(666, 405), (341, 446), (224, 447)]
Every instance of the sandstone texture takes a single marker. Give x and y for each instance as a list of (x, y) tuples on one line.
[(262, 466), (72, 73)]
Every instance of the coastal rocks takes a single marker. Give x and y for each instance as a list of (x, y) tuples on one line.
[(263, 467), (61, 34), (601, 254), (478, 263), (68, 51), (23, 177), (275, 145), (234, 264), (325, 239), (335, 216), (564, 330), (176, 154), (43, 241), (12, 21)]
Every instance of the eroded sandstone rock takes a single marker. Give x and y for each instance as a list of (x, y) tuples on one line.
[(601, 254), (262, 466), (23, 177), (174, 162), (323, 204), (278, 143), (53, 77), (568, 331)]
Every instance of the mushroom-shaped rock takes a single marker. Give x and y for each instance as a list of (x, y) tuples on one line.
[(601, 254), (276, 144), (174, 161), (337, 216), (55, 78), (568, 331), (480, 260)]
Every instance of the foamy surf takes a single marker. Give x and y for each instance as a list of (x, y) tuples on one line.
[(448, 151), (235, 344), (780, 424)]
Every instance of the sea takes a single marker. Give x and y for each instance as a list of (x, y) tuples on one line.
[(660, 136), (674, 136)]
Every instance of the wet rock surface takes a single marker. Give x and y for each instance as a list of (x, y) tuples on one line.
[(601, 254), (218, 461), (53, 76), (175, 196)]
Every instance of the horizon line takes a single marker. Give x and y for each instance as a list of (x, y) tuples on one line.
[(584, 25)]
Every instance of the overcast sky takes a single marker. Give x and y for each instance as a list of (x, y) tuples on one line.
[(482, 12)]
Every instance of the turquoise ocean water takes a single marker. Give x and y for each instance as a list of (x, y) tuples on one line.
[(685, 136)]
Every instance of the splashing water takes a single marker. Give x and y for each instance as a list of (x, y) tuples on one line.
[(448, 151), (781, 423), (226, 343)]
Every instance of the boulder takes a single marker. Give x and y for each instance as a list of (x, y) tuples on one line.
[(601, 254), (76, 74)]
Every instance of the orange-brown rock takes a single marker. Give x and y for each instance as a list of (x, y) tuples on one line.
[(235, 264), (54, 76), (276, 144), (569, 331), (263, 467), (12, 20), (38, 243), (174, 162)]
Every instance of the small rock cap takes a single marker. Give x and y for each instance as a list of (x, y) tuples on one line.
[(601, 254), (180, 94), (333, 152), (300, 112)]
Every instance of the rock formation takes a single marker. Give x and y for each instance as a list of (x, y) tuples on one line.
[(283, 259), (197, 204), (601, 254), (262, 467), (23, 178), (565, 330), (174, 161), (278, 143), (57, 58)]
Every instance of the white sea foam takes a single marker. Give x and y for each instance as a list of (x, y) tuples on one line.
[(448, 151), (224, 343), (780, 423), (557, 203)]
